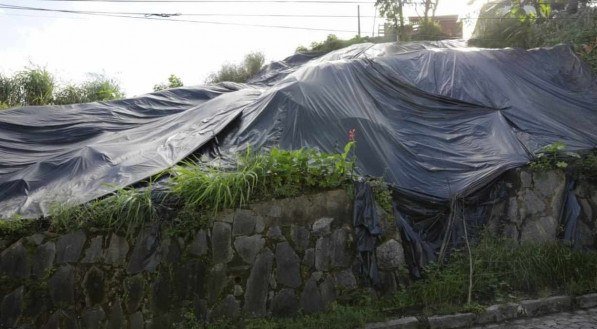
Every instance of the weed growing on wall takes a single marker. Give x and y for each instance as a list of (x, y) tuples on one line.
[(202, 188), (277, 173), (504, 271), (124, 211), (17, 227), (552, 156)]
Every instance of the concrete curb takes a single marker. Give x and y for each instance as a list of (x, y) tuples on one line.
[(492, 314)]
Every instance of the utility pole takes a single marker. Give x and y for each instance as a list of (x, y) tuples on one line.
[(359, 19)]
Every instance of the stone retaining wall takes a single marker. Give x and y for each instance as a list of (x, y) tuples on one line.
[(532, 210), (273, 258)]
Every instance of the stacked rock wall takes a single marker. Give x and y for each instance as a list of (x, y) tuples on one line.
[(274, 258), (533, 209)]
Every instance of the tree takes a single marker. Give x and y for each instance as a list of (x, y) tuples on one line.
[(393, 10), (173, 82), (428, 5)]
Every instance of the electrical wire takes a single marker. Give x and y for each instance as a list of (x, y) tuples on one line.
[(146, 14), (150, 17), (168, 15), (222, 1)]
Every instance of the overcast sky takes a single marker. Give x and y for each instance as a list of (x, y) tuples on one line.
[(140, 53)]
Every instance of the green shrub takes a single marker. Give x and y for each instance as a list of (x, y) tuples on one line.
[(70, 94), (502, 269), (552, 156), (173, 82), (339, 317), (126, 210), (429, 30), (519, 28), (37, 86), (277, 173), (587, 165), (10, 92), (212, 188), (101, 88), (16, 227), (332, 43), (252, 63)]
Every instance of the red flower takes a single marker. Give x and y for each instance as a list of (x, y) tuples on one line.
[(352, 134)]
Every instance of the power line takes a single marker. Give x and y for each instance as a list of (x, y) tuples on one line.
[(146, 14), (222, 1), (161, 18)]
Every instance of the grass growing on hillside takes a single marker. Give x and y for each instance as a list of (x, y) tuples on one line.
[(17, 227), (504, 271), (124, 211), (277, 173), (201, 188)]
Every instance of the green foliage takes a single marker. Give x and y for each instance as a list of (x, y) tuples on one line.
[(187, 221), (383, 194), (97, 88), (340, 317), (101, 88), (188, 320), (428, 30), (36, 86), (202, 188), (10, 92), (70, 94), (278, 173), (503, 269), (587, 165), (543, 26), (173, 82), (126, 210), (16, 227), (252, 63), (393, 11), (332, 43), (289, 173), (552, 156), (209, 187)]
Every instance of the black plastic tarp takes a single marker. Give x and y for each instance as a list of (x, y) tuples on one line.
[(436, 120)]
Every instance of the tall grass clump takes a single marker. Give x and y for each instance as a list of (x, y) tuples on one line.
[(10, 92), (504, 269), (37, 86), (126, 210), (276, 173), (520, 27), (252, 63), (213, 188), (17, 227)]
